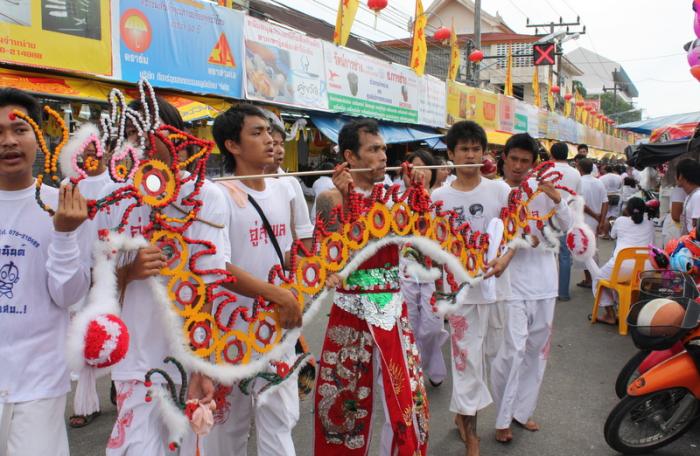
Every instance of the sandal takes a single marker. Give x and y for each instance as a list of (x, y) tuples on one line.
[(584, 284), (79, 421), (603, 322)]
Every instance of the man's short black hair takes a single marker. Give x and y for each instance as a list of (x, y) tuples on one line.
[(228, 125), (560, 151), (9, 96), (466, 131), (277, 128), (522, 141), (582, 146), (689, 169), (349, 135), (585, 165)]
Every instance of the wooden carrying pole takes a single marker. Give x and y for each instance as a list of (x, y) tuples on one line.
[(330, 171)]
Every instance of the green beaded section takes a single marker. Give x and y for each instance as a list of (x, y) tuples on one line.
[(366, 279)]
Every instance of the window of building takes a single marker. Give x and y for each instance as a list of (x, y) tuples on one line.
[(519, 49)]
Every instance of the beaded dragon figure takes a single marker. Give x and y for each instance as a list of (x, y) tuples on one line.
[(207, 342)]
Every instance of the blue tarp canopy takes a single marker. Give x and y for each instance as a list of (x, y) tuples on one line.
[(649, 125), (392, 133)]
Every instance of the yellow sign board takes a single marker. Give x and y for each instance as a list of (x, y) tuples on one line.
[(469, 103), (73, 36)]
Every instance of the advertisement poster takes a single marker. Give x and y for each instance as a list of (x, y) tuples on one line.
[(520, 117), (283, 66), (361, 85), (432, 101), (486, 109), (542, 123), (506, 113), (191, 46), (56, 33)]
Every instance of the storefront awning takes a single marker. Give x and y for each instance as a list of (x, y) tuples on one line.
[(191, 107), (392, 133)]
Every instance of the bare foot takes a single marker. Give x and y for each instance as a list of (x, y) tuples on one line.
[(471, 440), (608, 320), (529, 425), (504, 435)]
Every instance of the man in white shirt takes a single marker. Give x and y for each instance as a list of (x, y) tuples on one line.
[(475, 325), (613, 185), (583, 153), (688, 178), (243, 134), (571, 178), (596, 208), (300, 221), (518, 370), (44, 269)]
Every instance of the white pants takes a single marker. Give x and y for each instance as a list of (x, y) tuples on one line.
[(34, 428), (475, 332), (608, 296), (140, 429), (275, 417), (428, 328), (518, 370)]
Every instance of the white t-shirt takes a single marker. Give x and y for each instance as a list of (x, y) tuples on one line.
[(478, 207), (249, 246), (95, 187), (612, 183), (691, 210), (571, 178), (678, 195), (42, 273), (149, 343), (303, 227), (630, 234), (320, 185), (533, 272), (595, 195)]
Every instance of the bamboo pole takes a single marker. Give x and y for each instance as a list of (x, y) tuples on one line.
[(330, 171)]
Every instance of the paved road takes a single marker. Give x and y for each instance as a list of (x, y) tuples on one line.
[(576, 397)]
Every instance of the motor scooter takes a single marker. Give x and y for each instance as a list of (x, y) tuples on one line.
[(664, 401)]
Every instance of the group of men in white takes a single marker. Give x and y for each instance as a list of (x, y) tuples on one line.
[(500, 342)]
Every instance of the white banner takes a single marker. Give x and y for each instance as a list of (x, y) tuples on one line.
[(362, 85), (283, 66)]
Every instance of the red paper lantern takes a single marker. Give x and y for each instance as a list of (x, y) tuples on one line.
[(476, 56), (599, 115), (377, 5), (442, 34), (588, 108), (555, 89), (579, 103), (568, 97)]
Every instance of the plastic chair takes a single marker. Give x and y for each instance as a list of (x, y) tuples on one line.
[(625, 287)]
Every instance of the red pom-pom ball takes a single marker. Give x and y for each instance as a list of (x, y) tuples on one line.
[(106, 341)]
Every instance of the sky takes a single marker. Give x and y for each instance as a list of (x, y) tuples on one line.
[(645, 36)]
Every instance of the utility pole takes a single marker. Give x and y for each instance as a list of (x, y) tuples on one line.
[(614, 90), (477, 36), (559, 51)]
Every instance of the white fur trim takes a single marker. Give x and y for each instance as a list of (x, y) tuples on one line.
[(102, 298), (419, 272), (76, 143), (174, 419)]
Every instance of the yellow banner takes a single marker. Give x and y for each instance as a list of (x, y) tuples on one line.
[(536, 86), (469, 103), (419, 52), (454, 55), (508, 90), (347, 9), (58, 34)]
